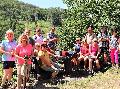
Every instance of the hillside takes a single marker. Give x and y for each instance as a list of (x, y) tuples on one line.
[(17, 15), (12, 12)]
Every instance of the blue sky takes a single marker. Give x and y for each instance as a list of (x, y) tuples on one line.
[(46, 3)]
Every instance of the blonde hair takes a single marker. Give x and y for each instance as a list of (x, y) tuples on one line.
[(7, 32), (21, 37), (27, 30)]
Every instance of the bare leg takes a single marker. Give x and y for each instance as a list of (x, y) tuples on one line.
[(97, 64), (90, 64), (10, 74), (5, 74)]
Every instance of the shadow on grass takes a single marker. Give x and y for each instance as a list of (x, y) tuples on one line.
[(43, 84)]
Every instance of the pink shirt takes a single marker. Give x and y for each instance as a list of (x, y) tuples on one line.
[(93, 49), (84, 51), (22, 51)]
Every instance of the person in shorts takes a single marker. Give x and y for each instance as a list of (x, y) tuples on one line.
[(7, 48)]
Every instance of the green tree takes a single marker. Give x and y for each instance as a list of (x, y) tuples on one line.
[(81, 13)]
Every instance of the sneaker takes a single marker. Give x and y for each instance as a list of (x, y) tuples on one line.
[(117, 66), (91, 72), (13, 86), (10, 83), (113, 66)]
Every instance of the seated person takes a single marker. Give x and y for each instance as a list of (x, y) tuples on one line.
[(77, 45), (47, 63), (84, 52), (94, 52)]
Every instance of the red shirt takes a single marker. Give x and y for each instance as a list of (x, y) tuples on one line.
[(84, 50)]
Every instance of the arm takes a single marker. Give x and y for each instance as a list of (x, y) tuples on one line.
[(3, 51), (98, 53), (51, 54), (54, 39), (90, 48)]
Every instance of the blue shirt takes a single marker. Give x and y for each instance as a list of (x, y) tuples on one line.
[(77, 48), (8, 47)]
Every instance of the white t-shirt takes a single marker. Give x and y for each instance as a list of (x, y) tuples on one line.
[(38, 39)]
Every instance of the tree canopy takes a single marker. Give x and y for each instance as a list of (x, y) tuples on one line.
[(81, 13), (15, 15)]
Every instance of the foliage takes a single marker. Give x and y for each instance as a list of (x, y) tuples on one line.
[(81, 13), (17, 16)]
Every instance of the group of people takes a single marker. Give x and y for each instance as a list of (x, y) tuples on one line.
[(14, 52), (93, 46), (89, 49)]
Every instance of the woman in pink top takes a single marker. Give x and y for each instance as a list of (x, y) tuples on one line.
[(84, 52), (23, 49), (94, 52)]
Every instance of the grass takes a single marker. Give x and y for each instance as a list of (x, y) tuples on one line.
[(1, 73), (107, 80)]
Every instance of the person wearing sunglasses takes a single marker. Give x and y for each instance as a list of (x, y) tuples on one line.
[(94, 51)]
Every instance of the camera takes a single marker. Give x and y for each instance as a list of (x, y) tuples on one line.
[(26, 57)]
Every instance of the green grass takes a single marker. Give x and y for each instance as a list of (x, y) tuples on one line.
[(107, 80), (1, 73)]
